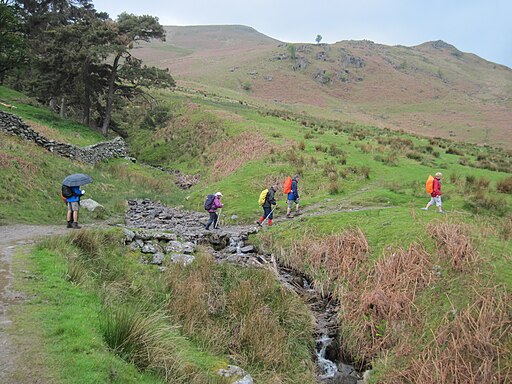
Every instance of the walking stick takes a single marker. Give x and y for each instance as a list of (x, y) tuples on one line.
[(268, 215), (218, 218)]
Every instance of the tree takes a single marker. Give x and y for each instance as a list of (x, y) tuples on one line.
[(130, 30), (12, 42), (292, 50), (318, 39)]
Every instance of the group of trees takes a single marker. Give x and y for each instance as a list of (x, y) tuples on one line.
[(75, 58)]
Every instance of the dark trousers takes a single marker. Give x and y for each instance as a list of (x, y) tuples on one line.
[(213, 219), (266, 212)]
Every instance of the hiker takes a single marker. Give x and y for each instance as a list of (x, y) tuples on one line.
[(269, 201), (293, 197), (73, 204), (211, 210), (436, 194)]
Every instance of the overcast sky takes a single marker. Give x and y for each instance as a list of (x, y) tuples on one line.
[(483, 27)]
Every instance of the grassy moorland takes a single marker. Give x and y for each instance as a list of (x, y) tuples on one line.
[(424, 296)]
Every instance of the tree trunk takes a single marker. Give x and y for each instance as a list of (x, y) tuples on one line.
[(86, 112), (110, 95), (53, 104), (63, 107)]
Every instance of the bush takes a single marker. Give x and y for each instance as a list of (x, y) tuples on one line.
[(504, 186), (454, 151)]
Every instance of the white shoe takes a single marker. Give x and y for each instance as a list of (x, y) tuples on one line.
[(424, 209)]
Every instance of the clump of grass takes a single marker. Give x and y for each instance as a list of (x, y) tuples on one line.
[(243, 313), (333, 188), (481, 202), (76, 273), (471, 347), (454, 243), (143, 338), (385, 302), (504, 186), (330, 259)]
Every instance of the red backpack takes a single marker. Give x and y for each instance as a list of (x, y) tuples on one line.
[(287, 185)]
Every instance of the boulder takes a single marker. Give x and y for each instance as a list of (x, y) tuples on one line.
[(91, 205)]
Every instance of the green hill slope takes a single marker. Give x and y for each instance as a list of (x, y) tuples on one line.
[(424, 275)]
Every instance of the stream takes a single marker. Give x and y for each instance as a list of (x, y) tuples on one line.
[(145, 221)]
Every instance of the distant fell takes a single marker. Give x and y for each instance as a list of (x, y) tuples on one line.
[(432, 89)]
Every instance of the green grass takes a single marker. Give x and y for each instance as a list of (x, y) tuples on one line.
[(31, 183), (62, 320), (322, 153), (31, 111)]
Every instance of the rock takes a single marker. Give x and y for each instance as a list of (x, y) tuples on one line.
[(182, 258), (91, 205), (247, 249), (158, 258), (149, 248), (237, 373), (128, 235)]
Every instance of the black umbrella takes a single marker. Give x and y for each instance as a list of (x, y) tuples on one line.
[(77, 180)]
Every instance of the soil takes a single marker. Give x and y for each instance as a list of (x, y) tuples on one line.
[(11, 351)]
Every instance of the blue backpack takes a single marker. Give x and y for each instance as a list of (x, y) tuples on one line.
[(209, 202)]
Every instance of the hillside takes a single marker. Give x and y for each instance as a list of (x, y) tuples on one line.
[(432, 89), (413, 285)]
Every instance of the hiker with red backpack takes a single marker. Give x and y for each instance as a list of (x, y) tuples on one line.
[(291, 188), (266, 201), (433, 186), (211, 204)]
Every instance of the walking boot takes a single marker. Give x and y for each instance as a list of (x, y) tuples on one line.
[(269, 222), (75, 225), (69, 225)]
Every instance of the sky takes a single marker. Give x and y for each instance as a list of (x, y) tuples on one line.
[(482, 27)]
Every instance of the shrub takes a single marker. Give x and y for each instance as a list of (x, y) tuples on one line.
[(454, 151), (504, 186), (246, 86), (455, 244), (302, 146), (143, 338), (333, 188), (470, 348)]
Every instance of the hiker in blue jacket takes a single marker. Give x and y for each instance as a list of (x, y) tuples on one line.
[(73, 204), (293, 198)]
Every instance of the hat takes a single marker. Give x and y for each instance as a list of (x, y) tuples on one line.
[(439, 174), (218, 194)]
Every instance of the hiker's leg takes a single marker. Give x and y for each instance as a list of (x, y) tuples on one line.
[(297, 205), (439, 204), (215, 220), (210, 220), (289, 209), (69, 215)]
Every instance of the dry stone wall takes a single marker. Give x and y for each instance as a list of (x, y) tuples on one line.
[(13, 125)]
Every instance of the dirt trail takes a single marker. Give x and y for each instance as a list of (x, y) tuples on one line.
[(10, 238)]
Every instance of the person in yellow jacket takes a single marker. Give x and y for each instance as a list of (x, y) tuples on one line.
[(268, 212)]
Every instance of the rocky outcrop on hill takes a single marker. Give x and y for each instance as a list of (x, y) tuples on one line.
[(92, 154)]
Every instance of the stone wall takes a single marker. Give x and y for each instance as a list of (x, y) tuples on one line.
[(13, 125)]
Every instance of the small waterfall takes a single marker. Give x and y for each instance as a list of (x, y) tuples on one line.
[(327, 367), (236, 243)]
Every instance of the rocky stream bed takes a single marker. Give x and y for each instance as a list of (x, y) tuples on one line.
[(162, 233)]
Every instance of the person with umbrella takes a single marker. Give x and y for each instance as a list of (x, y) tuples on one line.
[(72, 192)]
